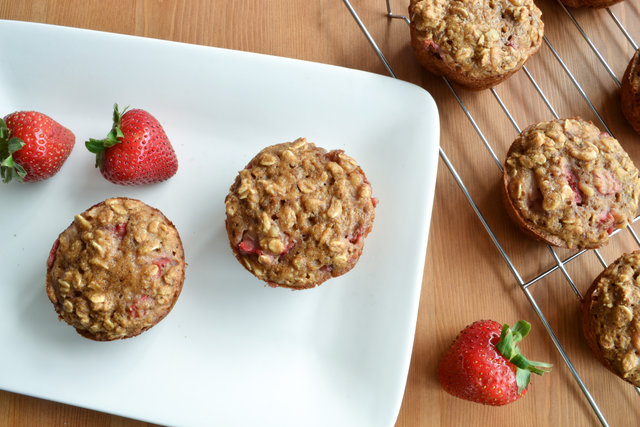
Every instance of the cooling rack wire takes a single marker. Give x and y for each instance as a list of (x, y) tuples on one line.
[(559, 263)]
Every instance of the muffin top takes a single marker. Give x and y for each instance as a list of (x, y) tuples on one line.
[(117, 270), (572, 184), (297, 214), (482, 38), (612, 311)]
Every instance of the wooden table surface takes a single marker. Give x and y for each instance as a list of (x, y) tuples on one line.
[(465, 277)]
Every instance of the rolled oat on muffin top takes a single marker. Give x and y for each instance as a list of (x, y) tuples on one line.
[(568, 184), (297, 215), (475, 43), (117, 270), (611, 317)]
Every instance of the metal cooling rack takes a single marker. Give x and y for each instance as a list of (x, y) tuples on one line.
[(560, 263)]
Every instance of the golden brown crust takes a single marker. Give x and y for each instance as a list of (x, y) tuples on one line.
[(519, 221), (611, 317), (297, 215), (472, 44), (630, 92), (590, 3), (588, 327), (568, 184), (117, 270)]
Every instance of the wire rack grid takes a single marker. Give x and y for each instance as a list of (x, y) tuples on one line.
[(559, 263)]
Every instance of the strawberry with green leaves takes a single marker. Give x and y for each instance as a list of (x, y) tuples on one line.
[(484, 364), (33, 146), (136, 150)]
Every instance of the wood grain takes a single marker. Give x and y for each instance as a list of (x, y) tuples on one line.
[(465, 277)]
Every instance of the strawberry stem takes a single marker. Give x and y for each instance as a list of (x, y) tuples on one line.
[(98, 146), (9, 168), (508, 347)]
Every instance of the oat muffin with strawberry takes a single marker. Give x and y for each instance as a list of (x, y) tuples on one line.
[(611, 317), (475, 44), (568, 184), (297, 214), (116, 271)]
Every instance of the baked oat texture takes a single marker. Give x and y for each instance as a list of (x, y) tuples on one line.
[(611, 317), (297, 215), (117, 270), (476, 44), (590, 3), (568, 184), (630, 92)]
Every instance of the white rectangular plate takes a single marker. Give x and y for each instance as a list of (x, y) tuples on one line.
[(233, 351)]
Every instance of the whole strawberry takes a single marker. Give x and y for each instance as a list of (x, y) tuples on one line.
[(33, 146), (136, 151), (484, 364)]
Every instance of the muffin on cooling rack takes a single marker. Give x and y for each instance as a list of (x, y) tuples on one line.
[(630, 92), (116, 271), (590, 3), (475, 44), (297, 215), (568, 184), (611, 317)]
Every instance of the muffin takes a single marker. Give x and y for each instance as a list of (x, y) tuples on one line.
[(630, 92), (611, 317), (297, 215), (568, 184), (590, 3), (116, 271), (475, 44)]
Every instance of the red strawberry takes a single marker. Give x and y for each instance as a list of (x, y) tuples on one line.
[(249, 245), (120, 229), (162, 263), (140, 306), (484, 364), (136, 151), (607, 221), (33, 146), (573, 182)]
